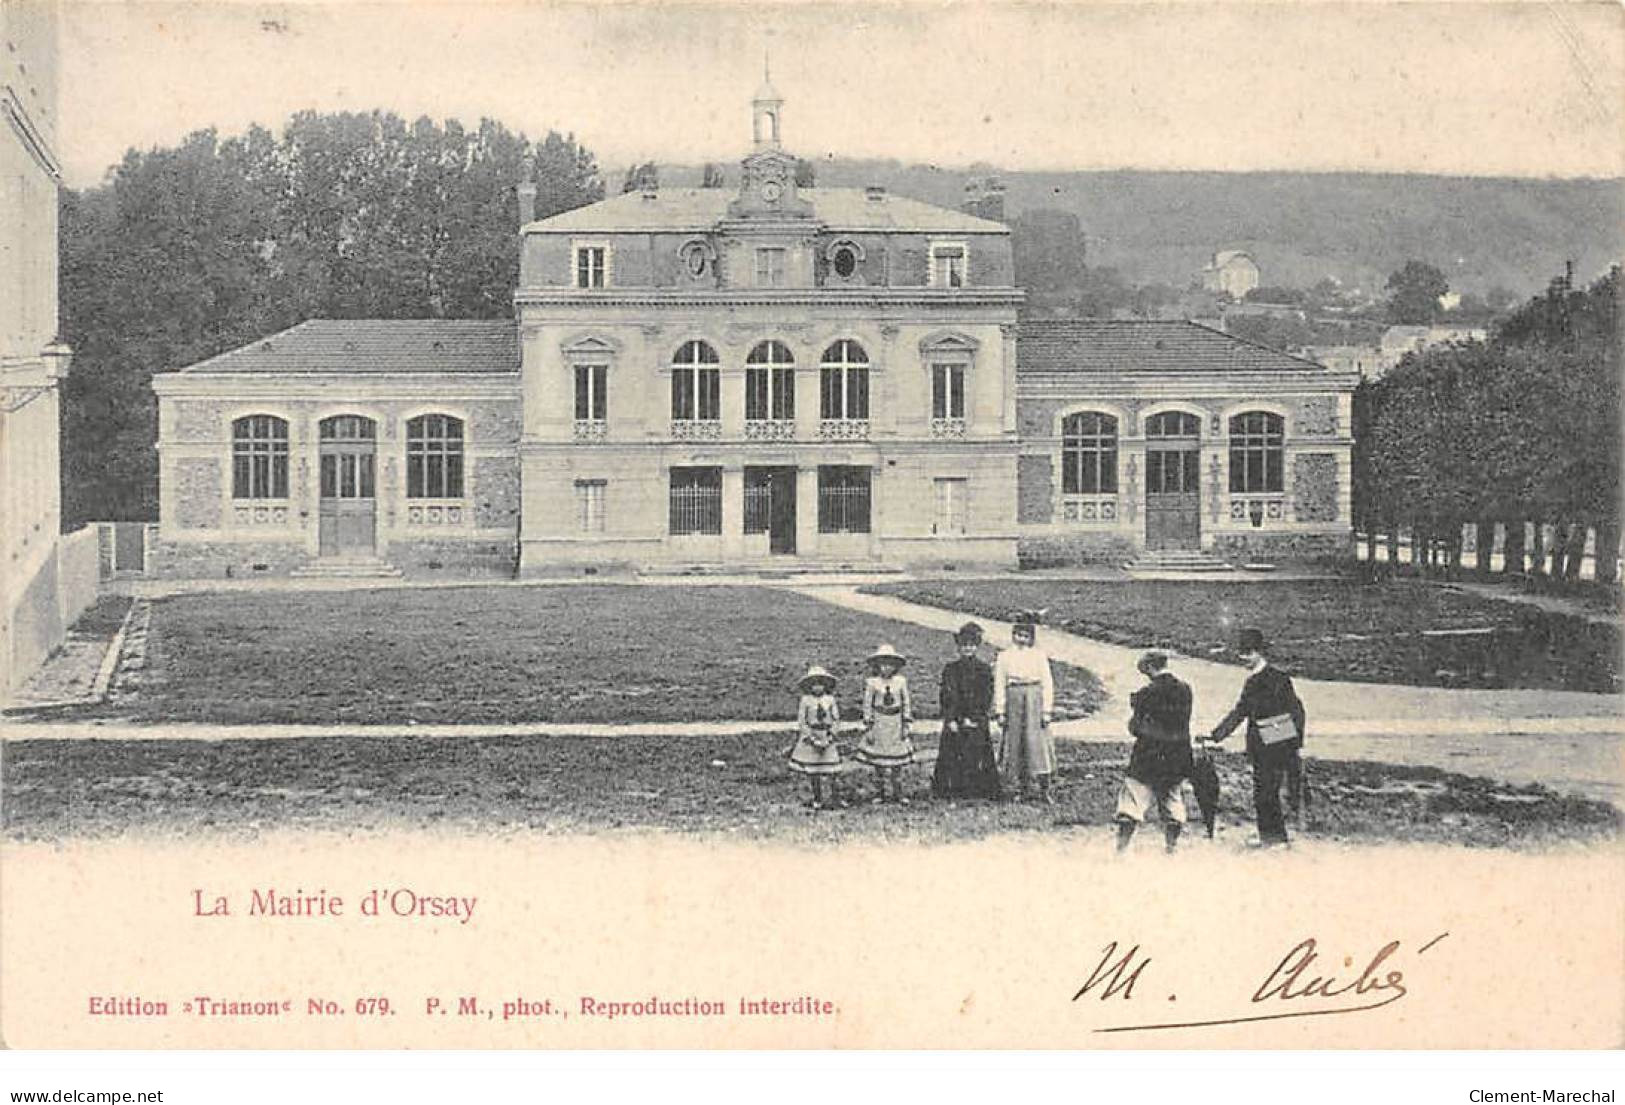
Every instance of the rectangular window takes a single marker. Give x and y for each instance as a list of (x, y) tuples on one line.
[(948, 391), (590, 505), (770, 394), (592, 392), (770, 267), (591, 266), (950, 505), (843, 498), (948, 266), (259, 463), (696, 501)]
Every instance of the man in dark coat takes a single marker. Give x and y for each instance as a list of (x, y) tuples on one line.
[(1161, 760), (1275, 727)]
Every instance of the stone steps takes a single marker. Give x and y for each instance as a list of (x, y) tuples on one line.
[(347, 567), (1155, 562)]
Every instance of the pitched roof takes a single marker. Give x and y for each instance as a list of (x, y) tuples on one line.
[(351, 346), (698, 209), (1148, 347)]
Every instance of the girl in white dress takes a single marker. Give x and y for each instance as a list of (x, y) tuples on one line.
[(887, 712), (815, 753)]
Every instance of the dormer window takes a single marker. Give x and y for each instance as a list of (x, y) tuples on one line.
[(949, 265), (591, 265)]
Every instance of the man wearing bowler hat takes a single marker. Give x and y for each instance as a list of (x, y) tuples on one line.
[(1275, 724)]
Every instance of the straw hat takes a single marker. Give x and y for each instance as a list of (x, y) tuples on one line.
[(815, 674), (886, 652)]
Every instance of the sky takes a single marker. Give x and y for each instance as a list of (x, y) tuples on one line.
[(1462, 88)]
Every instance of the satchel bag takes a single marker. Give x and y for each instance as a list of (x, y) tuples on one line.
[(1277, 729)]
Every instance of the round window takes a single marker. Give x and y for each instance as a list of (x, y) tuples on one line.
[(846, 261)]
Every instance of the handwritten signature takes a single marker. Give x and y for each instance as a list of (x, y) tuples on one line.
[(1298, 977)]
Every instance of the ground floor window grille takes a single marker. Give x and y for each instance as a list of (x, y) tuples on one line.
[(696, 501), (758, 501), (950, 505), (843, 499), (590, 505)]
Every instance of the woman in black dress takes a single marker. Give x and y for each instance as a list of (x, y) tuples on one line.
[(965, 767)]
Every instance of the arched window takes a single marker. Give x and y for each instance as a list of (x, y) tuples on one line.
[(770, 383), (843, 382), (1173, 424), (1089, 454), (259, 457), (1257, 452), (434, 457), (696, 384)]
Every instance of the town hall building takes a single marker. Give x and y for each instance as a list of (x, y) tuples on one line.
[(768, 376)]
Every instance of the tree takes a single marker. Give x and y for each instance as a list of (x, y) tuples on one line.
[(187, 252), (1523, 428), (1414, 292), (712, 176), (806, 173), (646, 175), (1274, 294), (1049, 248)]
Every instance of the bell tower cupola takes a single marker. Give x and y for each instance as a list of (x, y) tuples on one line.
[(767, 111)]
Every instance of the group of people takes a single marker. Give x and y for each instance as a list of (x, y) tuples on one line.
[(996, 734)]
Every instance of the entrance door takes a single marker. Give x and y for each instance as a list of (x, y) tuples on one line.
[(1172, 499), (770, 507), (781, 522), (1173, 469), (348, 518)]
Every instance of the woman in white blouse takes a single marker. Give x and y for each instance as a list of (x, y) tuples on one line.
[(1023, 703)]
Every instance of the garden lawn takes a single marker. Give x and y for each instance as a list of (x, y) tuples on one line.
[(516, 654), (1372, 632), (737, 786)]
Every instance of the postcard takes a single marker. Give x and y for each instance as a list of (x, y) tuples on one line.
[(811, 526)]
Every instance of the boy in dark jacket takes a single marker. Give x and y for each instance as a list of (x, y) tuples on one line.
[(1275, 726), (1161, 760)]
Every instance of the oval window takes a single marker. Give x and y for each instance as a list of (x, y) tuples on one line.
[(846, 261), (694, 258)]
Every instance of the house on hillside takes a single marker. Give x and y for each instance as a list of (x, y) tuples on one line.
[(774, 376), (1232, 271)]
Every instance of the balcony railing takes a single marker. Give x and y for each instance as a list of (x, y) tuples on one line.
[(947, 427), (591, 429), (770, 429), (696, 429), (1089, 508), (1257, 508), (844, 429)]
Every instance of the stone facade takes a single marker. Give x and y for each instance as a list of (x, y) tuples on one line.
[(1195, 441), (206, 529)]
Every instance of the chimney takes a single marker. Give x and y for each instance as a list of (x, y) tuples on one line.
[(973, 196), (527, 192), (993, 200), (875, 192), (651, 190)]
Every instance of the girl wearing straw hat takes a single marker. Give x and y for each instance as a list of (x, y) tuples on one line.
[(815, 753), (887, 712)]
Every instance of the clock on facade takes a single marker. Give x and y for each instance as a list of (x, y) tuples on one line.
[(772, 190)]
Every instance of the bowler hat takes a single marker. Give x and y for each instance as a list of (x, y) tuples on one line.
[(1252, 640), (815, 674)]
